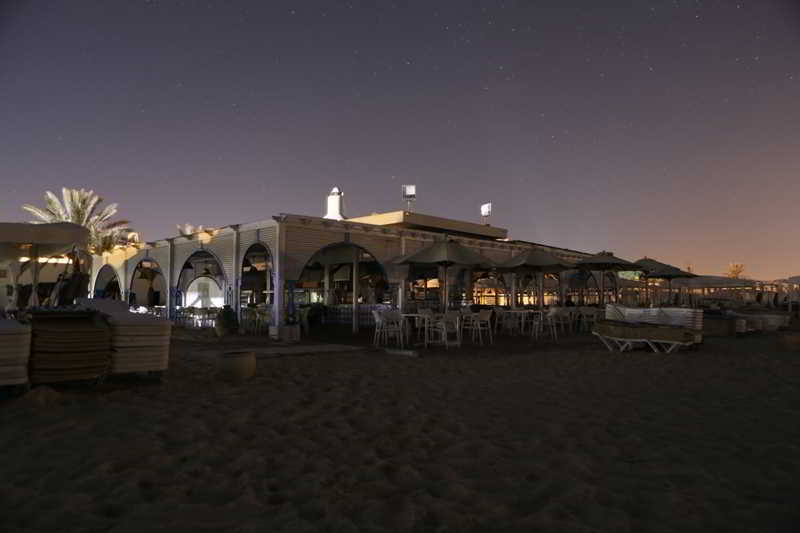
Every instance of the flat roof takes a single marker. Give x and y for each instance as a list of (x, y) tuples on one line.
[(411, 220)]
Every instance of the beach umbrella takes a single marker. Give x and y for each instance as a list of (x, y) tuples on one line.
[(658, 270), (605, 262), (446, 253), (537, 261)]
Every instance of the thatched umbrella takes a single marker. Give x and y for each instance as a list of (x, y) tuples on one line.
[(656, 269), (537, 261), (605, 262), (446, 253)]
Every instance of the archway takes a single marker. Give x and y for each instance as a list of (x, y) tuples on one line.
[(335, 262), (328, 279), (148, 285), (201, 282), (256, 287), (106, 284)]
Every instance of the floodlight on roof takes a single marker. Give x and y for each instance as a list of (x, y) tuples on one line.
[(486, 212), (409, 195)]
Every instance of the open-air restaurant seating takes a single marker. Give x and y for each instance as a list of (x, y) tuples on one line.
[(426, 327)]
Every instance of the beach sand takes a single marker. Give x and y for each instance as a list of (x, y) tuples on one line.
[(518, 437)]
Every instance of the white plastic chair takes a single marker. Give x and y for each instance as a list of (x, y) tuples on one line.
[(447, 331), (479, 324)]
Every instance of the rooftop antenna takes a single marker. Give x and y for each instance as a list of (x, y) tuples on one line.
[(409, 195), (486, 212)]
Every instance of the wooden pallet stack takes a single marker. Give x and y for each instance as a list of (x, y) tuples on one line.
[(140, 343), (69, 346), (15, 351)]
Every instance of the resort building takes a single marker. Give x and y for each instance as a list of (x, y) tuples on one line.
[(296, 260)]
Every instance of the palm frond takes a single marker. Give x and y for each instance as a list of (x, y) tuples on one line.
[(117, 225), (54, 205), (44, 215)]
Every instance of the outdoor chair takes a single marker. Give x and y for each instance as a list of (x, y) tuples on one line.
[(305, 327), (263, 320), (587, 316), (446, 331), (386, 327), (562, 317), (551, 322), (248, 320), (509, 322), (536, 324), (479, 324)]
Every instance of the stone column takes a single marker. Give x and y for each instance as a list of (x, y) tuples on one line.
[(237, 272), (355, 276), (170, 279), (278, 318), (326, 285)]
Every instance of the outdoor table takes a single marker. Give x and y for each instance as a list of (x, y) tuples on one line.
[(520, 315), (426, 319)]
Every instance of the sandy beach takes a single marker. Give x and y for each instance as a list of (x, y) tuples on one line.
[(517, 437)]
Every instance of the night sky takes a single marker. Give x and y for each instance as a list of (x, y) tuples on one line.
[(661, 128)]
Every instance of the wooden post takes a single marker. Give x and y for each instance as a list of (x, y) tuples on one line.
[(602, 288), (33, 301), (541, 290), (470, 288)]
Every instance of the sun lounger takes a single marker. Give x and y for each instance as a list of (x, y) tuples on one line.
[(723, 326), (662, 329), (763, 321)]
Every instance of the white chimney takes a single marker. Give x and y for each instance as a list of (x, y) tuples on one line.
[(335, 205)]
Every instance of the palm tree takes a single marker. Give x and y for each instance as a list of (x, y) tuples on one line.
[(80, 206), (735, 270)]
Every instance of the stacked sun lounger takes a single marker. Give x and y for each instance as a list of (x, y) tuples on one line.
[(625, 335), (69, 346), (723, 325), (763, 320), (662, 329), (15, 350), (140, 343)]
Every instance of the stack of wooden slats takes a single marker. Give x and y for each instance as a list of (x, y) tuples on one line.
[(15, 351), (69, 346), (140, 343)]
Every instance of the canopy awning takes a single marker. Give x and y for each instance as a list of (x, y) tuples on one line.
[(24, 239)]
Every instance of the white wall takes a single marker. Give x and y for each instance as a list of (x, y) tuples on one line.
[(204, 292)]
